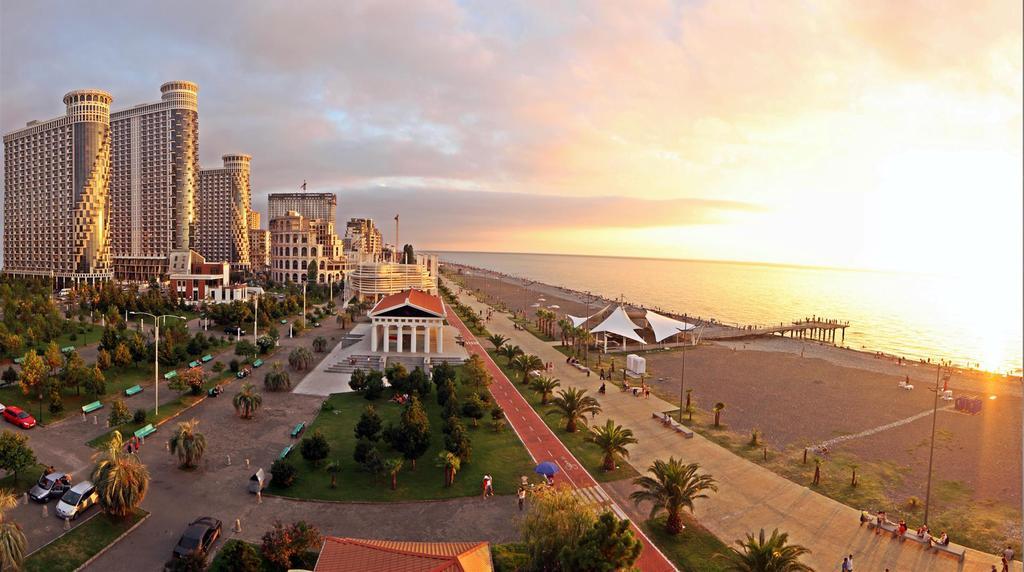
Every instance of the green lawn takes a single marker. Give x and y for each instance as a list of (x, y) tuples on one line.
[(589, 455), (80, 544), (500, 454), (26, 479), (693, 549)]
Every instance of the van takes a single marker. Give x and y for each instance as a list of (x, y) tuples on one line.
[(77, 499)]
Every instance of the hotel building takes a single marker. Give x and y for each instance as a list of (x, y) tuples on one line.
[(56, 185), (224, 201), (293, 246), (374, 280), (363, 240), (310, 205), (154, 181)]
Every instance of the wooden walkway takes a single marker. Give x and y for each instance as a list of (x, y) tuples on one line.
[(820, 330)]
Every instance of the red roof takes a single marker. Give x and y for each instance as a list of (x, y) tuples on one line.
[(415, 298), (352, 554)]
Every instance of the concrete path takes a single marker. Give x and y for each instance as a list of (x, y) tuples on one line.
[(750, 497)]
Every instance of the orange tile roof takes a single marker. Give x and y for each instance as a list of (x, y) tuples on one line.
[(413, 297), (352, 554)]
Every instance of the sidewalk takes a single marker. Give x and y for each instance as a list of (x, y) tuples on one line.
[(750, 497)]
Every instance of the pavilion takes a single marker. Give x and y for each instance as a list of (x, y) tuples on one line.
[(411, 313)]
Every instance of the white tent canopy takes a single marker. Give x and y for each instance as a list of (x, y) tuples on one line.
[(618, 323), (577, 321), (665, 327)]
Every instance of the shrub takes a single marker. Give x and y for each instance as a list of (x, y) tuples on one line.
[(277, 379), (284, 546), (218, 367), (238, 556), (358, 380), (283, 473), (119, 413), (315, 448), (139, 416), (233, 365), (374, 386)]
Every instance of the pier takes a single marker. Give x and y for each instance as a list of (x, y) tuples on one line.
[(812, 329)]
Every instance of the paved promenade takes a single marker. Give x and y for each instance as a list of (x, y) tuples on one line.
[(750, 497)]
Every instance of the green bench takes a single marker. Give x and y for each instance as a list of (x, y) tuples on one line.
[(67, 349), (285, 451), (284, 321), (145, 431), (207, 358), (298, 429), (133, 390), (19, 360), (193, 364), (171, 374), (257, 363), (90, 407)]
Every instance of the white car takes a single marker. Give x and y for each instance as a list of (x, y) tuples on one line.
[(77, 499)]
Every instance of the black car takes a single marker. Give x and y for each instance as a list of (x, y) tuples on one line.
[(198, 537)]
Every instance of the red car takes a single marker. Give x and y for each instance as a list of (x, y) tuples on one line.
[(19, 417)]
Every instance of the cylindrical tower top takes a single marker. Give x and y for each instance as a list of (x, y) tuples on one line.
[(178, 85), (182, 93), (88, 105), (237, 161)]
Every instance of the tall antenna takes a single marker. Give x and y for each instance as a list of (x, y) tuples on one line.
[(395, 256)]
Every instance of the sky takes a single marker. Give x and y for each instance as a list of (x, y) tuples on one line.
[(868, 134)]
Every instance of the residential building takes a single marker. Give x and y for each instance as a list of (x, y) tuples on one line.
[(154, 180), (200, 282), (56, 193), (224, 206), (321, 206), (259, 248), (254, 219), (356, 555), (363, 240), (374, 280), (294, 246)]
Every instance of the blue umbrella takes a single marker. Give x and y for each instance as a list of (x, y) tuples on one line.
[(547, 468)]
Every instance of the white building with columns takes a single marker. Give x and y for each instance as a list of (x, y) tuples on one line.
[(410, 321)]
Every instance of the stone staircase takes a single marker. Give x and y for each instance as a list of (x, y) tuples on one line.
[(363, 362)]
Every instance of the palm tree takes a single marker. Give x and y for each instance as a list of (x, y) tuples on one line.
[(277, 379), (451, 463), (674, 486), (120, 478), (13, 543), (587, 339), (333, 468), (526, 363), (392, 467), (319, 344), (718, 412), (766, 555), (188, 444), (545, 386), (566, 327), (497, 340), (612, 439), (300, 359), (510, 351), (247, 401), (573, 404)]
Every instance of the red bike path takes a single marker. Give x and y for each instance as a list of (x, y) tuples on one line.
[(543, 445)]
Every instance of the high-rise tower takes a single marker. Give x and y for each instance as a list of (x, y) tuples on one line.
[(224, 204), (56, 176)]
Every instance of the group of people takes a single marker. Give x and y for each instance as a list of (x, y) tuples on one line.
[(131, 446), (488, 486), (922, 532), (401, 399), (638, 390)]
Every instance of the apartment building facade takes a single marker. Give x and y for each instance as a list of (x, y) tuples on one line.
[(224, 206), (322, 206), (294, 246)]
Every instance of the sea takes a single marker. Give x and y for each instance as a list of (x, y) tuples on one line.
[(967, 319)]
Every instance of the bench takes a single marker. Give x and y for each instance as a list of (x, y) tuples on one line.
[(171, 374), (133, 390), (912, 535), (686, 432), (19, 360), (958, 551), (67, 349), (144, 431), (193, 364), (257, 363), (284, 321), (90, 407), (298, 430), (207, 358), (285, 451)]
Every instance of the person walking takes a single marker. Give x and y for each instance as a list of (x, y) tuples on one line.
[(1008, 553), (846, 565), (521, 495), (849, 563)]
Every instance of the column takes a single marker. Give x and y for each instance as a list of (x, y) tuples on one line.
[(426, 339), (373, 338), (440, 339), (413, 337), (387, 337), (401, 332)]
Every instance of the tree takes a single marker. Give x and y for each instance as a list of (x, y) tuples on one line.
[(451, 463), (718, 412), (457, 441), (247, 402), (233, 365), (673, 487), (612, 439), (446, 392), (188, 444), (408, 254), (773, 554), (103, 360), (474, 409), (333, 468), (300, 359), (369, 425), (283, 473), (374, 385), (239, 556), (418, 382), (573, 405), (544, 386), (608, 546), (557, 519), (526, 363), (497, 340), (357, 381), (443, 373), (15, 454), (392, 467), (311, 272), (277, 379), (283, 545), (109, 339), (245, 348), (13, 544), (265, 343), (120, 478), (192, 379), (315, 448), (95, 382), (9, 376), (412, 436), (476, 373), (33, 371), (122, 356), (119, 413), (510, 351), (320, 344)]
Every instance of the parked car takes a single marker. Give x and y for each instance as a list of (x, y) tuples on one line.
[(77, 500), (50, 486), (19, 417), (2, 407), (198, 537)]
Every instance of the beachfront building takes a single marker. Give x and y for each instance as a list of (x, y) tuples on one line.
[(154, 180), (197, 281), (319, 206), (410, 318), (294, 247), (375, 280), (224, 207), (56, 193), (363, 241)]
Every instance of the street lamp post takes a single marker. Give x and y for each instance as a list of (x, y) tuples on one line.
[(156, 354), (255, 317), (682, 379), (931, 453), (303, 305)]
